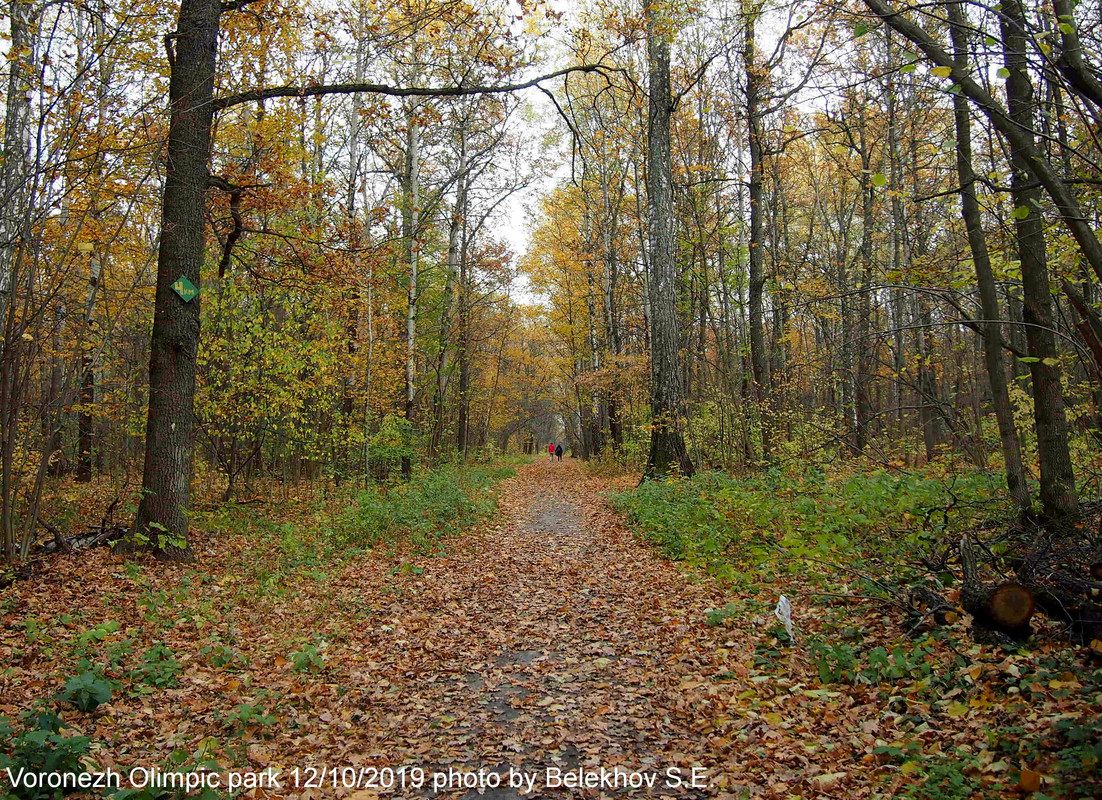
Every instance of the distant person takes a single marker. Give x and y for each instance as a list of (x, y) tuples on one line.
[(558, 452), (551, 451)]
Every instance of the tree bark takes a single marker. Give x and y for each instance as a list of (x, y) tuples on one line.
[(1057, 476), (455, 225), (462, 351), (758, 364), (864, 358), (985, 278), (15, 169), (411, 222), (667, 449), (170, 424)]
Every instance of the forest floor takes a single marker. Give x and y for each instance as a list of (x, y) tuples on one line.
[(545, 640)]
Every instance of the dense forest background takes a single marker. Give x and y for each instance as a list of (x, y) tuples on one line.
[(844, 234)]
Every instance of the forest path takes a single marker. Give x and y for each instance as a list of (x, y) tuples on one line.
[(550, 638)]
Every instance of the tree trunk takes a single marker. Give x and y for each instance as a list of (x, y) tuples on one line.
[(612, 325), (411, 223), (985, 278), (353, 188), (758, 365), (455, 225), (667, 449), (462, 352), (15, 169), (170, 424), (863, 359), (1057, 477)]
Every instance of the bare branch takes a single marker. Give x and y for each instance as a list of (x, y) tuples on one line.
[(461, 90)]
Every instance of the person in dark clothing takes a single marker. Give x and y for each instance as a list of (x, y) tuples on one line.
[(558, 452)]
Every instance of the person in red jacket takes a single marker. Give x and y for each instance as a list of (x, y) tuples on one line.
[(551, 451)]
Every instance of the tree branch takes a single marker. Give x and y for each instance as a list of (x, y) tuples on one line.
[(221, 103), (1022, 139)]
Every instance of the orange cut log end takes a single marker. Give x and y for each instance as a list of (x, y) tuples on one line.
[(1011, 605)]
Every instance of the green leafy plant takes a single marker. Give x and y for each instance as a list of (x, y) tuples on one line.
[(836, 663), (158, 668), (223, 656), (427, 510), (943, 779), (86, 691), (178, 765), (717, 616), (99, 633), (247, 715), (308, 659), (36, 744)]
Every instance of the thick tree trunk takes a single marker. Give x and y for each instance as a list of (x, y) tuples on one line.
[(170, 424), (609, 300), (667, 449), (927, 383), (1057, 477), (97, 254), (985, 278), (352, 189), (594, 409), (864, 357), (463, 355), (901, 255), (16, 181)]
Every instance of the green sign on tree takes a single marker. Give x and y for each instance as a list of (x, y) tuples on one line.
[(185, 288)]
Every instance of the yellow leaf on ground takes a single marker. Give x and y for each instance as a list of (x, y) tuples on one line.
[(956, 709)]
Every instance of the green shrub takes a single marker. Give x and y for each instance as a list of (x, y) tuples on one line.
[(223, 656), (86, 691), (431, 507), (716, 519), (37, 745), (836, 663), (308, 659), (98, 633), (158, 668), (247, 715)]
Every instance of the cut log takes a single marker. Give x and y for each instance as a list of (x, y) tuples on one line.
[(1011, 605), (1004, 609)]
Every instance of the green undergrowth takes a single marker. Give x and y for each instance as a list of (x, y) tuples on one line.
[(734, 525), (430, 508), (422, 512), (843, 550)]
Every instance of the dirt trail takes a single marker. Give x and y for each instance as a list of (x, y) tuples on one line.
[(550, 639)]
